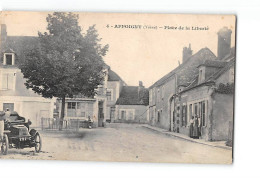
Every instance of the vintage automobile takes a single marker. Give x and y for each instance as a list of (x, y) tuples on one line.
[(17, 134)]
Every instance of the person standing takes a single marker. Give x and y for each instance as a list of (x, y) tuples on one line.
[(7, 114), (191, 126), (196, 128), (199, 126)]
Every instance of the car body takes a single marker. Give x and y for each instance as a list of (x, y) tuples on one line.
[(19, 135)]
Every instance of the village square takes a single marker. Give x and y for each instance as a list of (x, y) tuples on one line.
[(86, 111)]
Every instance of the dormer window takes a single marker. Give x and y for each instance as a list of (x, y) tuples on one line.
[(9, 59), (201, 74)]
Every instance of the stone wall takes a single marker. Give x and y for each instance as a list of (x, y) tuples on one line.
[(222, 115)]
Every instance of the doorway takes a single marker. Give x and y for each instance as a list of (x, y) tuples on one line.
[(100, 113)]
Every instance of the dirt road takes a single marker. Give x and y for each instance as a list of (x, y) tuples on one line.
[(120, 142)]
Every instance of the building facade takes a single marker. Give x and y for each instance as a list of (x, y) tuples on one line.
[(13, 93), (132, 105), (162, 91), (100, 108), (114, 87), (201, 87)]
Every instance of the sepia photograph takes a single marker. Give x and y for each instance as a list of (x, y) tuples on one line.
[(117, 87)]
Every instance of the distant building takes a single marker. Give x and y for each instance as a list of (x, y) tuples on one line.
[(101, 107), (202, 86), (13, 93), (132, 105), (114, 87)]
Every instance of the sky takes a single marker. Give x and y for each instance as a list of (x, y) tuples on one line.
[(144, 54)]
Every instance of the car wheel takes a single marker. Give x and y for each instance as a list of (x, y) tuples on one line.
[(38, 143), (5, 145)]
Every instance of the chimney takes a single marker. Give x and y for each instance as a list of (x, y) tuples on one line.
[(3, 32), (186, 53), (141, 84), (140, 89), (224, 42)]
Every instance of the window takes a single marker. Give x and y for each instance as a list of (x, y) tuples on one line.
[(203, 113), (199, 109), (8, 59), (71, 112), (154, 113), (78, 105), (184, 115), (112, 113), (127, 114), (76, 109), (195, 109), (190, 112), (163, 91), (200, 76), (71, 105), (123, 115), (158, 95), (109, 95), (8, 81), (130, 115)]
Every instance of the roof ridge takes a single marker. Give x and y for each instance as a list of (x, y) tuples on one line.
[(171, 73), (222, 70)]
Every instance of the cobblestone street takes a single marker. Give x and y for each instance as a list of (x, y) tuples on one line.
[(121, 142)]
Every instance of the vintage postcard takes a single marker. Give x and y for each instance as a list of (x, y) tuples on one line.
[(117, 87)]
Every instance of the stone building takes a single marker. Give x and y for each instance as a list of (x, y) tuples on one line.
[(114, 87), (162, 91), (201, 86), (132, 105), (13, 93)]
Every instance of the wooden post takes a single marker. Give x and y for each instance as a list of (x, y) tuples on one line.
[(77, 129)]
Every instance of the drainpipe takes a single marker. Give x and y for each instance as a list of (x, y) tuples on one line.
[(210, 110), (173, 99)]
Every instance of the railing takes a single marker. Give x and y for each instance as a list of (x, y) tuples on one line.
[(66, 124)]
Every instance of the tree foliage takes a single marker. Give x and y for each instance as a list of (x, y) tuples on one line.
[(66, 62), (225, 88)]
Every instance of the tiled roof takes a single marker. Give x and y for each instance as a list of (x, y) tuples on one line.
[(222, 70), (214, 63), (133, 95), (187, 70), (19, 45), (113, 76), (213, 77)]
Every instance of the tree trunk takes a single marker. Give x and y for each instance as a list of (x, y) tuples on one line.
[(62, 112)]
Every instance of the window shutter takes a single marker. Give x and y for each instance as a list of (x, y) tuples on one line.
[(4, 81), (11, 81), (120, 114)]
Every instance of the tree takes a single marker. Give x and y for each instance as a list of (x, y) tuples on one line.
[(66, 62)]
